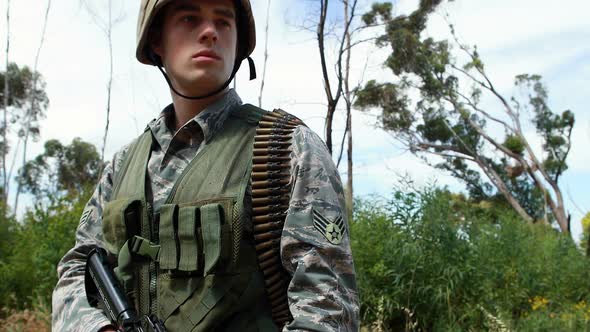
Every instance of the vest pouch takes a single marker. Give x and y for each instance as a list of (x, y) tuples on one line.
[(120, 221), (195, 240)]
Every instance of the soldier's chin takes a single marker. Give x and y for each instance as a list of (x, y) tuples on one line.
[(203, 86)]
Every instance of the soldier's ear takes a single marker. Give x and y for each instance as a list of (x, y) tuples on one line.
[(155, 47), (155, 41)]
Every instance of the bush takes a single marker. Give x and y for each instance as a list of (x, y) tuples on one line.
[(431, 260), (37, 243)]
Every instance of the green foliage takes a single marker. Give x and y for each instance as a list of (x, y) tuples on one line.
[(457, 265), (27, 99), (62, 178), (586, 223), (61, 169), (378, 10), (555, 129), (514, 144), (27, 102), (396, 114), (37, 243), (20, 82)]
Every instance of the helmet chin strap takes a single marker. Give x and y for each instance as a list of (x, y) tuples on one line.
[(225, 85)]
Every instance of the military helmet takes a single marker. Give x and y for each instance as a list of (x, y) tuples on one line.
[(150, 8)]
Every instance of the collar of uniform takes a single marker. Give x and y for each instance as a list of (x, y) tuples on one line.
[(213, 116), (207, 122)]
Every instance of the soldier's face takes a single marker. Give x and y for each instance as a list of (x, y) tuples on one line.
[(197, 44)]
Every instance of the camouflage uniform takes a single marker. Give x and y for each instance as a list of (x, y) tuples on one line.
[(322, 293)]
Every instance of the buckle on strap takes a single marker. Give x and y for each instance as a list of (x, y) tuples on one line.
[(135, 245), (142, 246)]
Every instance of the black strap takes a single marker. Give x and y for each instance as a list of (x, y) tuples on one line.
[(225, 85)]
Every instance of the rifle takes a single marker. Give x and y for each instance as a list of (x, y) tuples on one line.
[(104, 289)]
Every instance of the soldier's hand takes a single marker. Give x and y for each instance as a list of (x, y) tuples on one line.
[(108, 328)]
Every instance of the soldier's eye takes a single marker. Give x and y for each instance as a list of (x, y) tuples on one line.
[(224, 23), (189, 19)]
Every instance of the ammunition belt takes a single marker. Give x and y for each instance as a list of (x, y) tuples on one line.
[(271, 192)]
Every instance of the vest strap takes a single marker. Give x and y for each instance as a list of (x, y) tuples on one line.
[(168, 252), (211, 226), (134, 246), (187, 238)]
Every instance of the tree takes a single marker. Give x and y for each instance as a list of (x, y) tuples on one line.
[(25, 85), (348, 131), (32, 112), (333, 97), (484, 146), (4, 129), (345, 32), (61, 170), (106, 23)]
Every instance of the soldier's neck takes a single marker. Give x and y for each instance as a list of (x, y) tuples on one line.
[(186, 109)]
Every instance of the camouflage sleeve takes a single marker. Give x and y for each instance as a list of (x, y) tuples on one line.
[(70, 309), (315, 246)]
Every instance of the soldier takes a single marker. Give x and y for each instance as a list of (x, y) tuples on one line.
[(175, 207)]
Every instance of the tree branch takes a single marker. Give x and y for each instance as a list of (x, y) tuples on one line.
[(4, 197), (265, 54), (567, 152), (359, 42), (484, 113), (29, 115), (342, 145), (321, 46), (497, 180), (483, 134)]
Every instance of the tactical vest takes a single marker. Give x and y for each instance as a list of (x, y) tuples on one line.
[(191, 264)]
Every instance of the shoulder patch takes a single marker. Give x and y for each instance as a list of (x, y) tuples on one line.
[(332, 230)]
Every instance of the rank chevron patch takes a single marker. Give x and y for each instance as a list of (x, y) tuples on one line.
[(331, 230), (85, 216)]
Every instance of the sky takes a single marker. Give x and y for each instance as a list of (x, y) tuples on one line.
[(550, 38)]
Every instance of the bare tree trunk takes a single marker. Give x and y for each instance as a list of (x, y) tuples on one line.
[(332, 98), (5, 190), (12, 164), (498, 183), (29, 115), (349, 185), (265, 54), (327, 88), (347, 98), (329, 124), (489, 171), (109, 29)]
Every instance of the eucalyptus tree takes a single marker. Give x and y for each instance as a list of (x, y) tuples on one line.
[(22, 116), (486, 145), (61, 170)]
